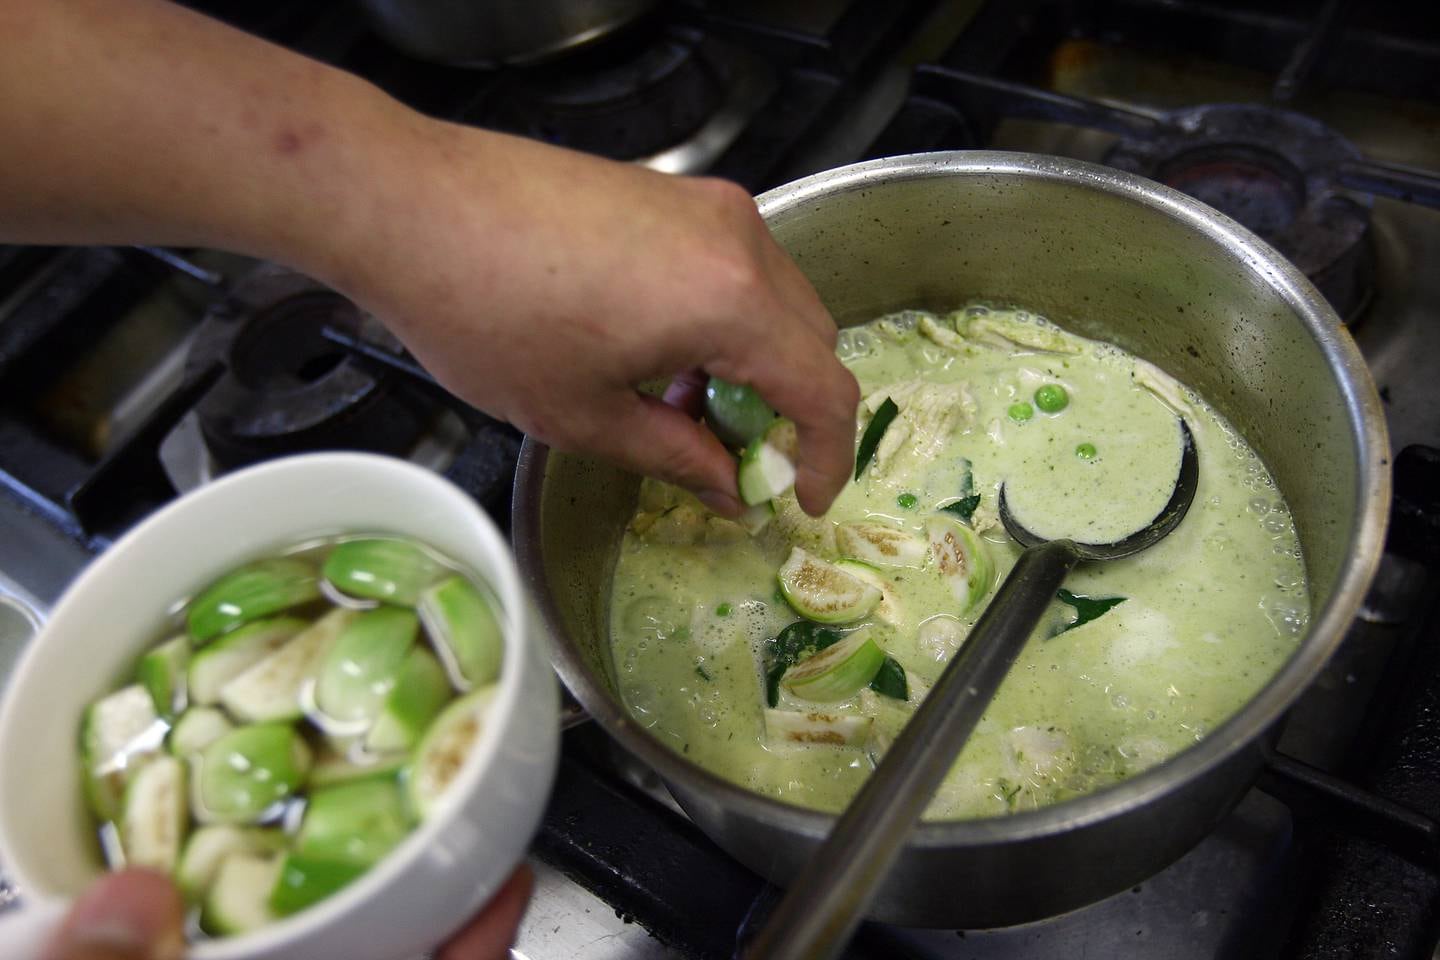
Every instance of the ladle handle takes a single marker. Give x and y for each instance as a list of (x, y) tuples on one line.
[(828, 899)]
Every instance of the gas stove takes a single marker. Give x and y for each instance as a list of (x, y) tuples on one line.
[(128, 376)]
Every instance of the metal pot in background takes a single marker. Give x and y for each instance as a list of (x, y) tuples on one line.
[(1109, 255), (478, 33)]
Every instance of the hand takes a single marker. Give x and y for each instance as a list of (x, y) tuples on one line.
[(542, 285), (545, 286), (138, 915)]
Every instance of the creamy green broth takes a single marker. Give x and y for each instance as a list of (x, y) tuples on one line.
[(1210, 613)]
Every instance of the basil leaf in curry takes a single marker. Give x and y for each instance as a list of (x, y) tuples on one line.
[(890, 681), (1086, 608), (874, 430)]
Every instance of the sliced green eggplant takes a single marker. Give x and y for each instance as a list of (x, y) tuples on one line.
[(880, 545), (767, 467), (162, 672), (465, 630), (756, 517), (357, 822), (381, 568), (117, 731), (270, 689), (241, 776), (336, 764), (837, 672), (226, 658), (820, 591), (208, 847), (889, 609), (196, 729), (735, 412), (815, 727), (304, 881), (421, 691), (961, 559), (254, 591), (155, 815), (359, 671), (445, 747), (239, 896)]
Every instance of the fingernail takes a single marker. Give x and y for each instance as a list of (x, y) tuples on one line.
[(721, 503)]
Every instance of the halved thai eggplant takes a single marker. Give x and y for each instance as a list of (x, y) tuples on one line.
[(241, 776), (445, 747), (254, 591), (116, 734), (465, 630), (224, 659), (381, 568), (162, 672), (208, 847), (961, 559), (356, 822), (837, 672), (196, 729), (420, 692), (820, 591), (239, 897), (816, 727), (303, 881), (270, 689), (359, 670), (155, 815)]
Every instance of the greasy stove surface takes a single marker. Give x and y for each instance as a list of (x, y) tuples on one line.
[(128, 375)]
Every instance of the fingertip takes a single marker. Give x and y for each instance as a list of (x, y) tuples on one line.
[(133, 912), (489, 935), (659, 441), (816, 490)]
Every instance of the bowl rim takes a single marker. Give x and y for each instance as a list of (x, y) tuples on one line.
[(214, 496), (1259, 714)]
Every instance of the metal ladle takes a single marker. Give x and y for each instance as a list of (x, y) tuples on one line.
[(827, 900)]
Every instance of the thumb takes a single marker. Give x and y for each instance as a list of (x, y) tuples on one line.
[(131, 915)]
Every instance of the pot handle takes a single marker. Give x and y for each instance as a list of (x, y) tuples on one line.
[(1308, 789)]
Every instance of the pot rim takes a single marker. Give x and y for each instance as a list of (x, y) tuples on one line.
[(1327, 627)]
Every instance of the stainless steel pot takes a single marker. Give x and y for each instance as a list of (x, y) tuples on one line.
[(475, 33), (1108, 255)]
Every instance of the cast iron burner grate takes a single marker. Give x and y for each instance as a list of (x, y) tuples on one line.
[(1291, 179), (1276, 172), (620, 102), (286, 388)]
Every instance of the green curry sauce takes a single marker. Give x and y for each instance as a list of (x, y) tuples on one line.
[(1208, 615)]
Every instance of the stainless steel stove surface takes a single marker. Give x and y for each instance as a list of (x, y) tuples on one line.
[(127, 376)]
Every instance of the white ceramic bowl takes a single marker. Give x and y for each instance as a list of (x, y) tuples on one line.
[(451, 864)]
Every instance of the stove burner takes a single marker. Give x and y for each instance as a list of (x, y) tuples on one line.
[(635, 96), (286, 387), (1277, 173)]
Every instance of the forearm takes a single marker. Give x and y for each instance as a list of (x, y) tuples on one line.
[(144, 122), (540, 284)]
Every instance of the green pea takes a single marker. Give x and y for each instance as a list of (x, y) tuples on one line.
[(723, 610), (1020, 412), (1052, 398), (907, 501), (1086, 451)]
